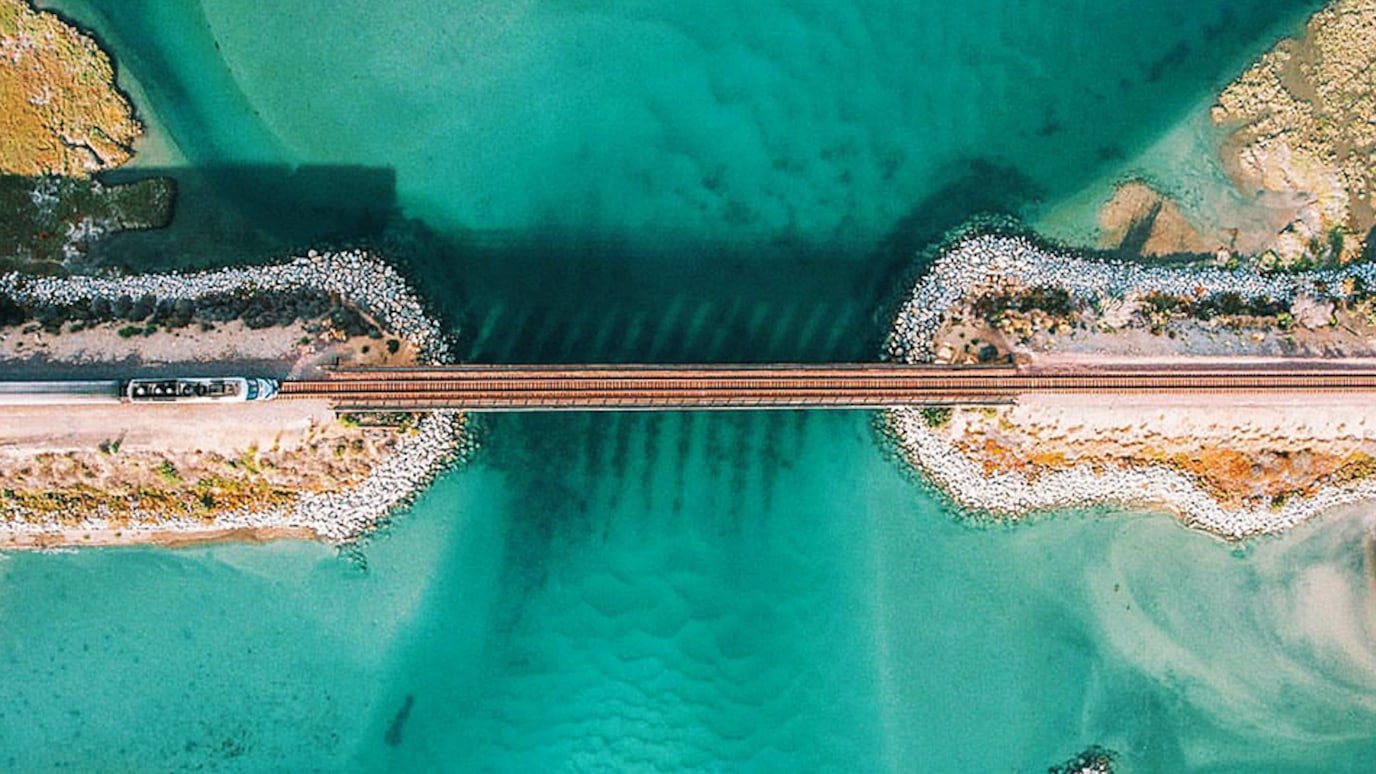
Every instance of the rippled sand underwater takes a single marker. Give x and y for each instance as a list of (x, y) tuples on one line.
[(726, 181)]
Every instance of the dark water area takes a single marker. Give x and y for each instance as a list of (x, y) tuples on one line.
[(564, 298), (233, 214), (589, 288), (561, 295)]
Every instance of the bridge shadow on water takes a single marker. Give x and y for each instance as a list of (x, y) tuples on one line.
[(250, 213), (618, 490), (560, 295)]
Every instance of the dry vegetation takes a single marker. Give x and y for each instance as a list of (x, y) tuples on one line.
[(1235, 467), (123, 485), (60, 112)]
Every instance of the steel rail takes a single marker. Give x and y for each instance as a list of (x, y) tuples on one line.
[(542, 387)]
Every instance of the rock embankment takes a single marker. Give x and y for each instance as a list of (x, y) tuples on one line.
[(1095, 760), (983, 263), (264, 295), (355, 281)]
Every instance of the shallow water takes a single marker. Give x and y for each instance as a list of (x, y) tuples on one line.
[(716, 181)]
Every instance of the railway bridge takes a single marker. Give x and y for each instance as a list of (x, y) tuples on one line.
[(677, 387)]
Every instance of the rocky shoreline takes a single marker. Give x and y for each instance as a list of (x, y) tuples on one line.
[(975, 263), (364, 283), (367, 283)]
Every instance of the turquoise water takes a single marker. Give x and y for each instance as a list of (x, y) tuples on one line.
[(656, 181)]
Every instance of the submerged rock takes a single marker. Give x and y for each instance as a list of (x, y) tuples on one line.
[(1095, 760), (1139, 221), (51, 222)]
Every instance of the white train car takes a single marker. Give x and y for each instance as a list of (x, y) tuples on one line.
[(198, 389), (58, 393)]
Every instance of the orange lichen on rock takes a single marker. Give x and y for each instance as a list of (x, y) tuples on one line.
[(60, 112)]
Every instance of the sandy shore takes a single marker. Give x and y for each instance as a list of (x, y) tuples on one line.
[(70, 538), (1297, 149), (1300, 128)]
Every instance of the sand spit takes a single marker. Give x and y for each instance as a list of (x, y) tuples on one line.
[(416, 454), (983, 263)]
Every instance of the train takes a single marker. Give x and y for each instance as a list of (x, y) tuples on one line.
[(197, 389)]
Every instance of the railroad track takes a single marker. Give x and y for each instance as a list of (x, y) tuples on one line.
[(579, 387)]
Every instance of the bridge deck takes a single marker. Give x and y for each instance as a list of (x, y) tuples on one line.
[(607, 387)]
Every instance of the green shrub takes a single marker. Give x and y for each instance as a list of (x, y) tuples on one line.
[(935, 416)]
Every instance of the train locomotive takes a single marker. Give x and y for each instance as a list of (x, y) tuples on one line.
[(217, 389)]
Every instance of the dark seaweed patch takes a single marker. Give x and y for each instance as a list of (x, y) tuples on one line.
[(393, 735)]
